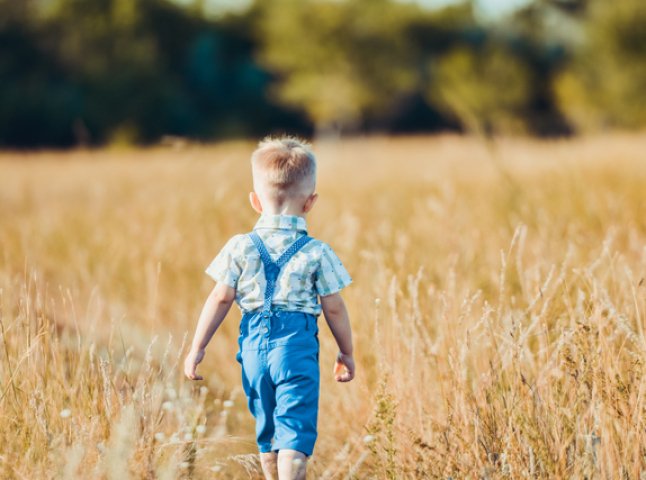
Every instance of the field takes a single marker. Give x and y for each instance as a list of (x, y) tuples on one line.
[(498, 311)]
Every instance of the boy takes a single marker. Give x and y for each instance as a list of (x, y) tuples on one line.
[(276, 275)]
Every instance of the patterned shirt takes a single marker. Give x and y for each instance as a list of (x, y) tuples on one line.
[(314, 271)]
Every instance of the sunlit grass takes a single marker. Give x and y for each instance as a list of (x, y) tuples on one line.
[(498, 311)]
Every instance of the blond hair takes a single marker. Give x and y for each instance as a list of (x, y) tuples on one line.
[(287, 163)]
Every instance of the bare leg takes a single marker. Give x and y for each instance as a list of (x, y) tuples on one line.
[(269, 466), (292, 465)]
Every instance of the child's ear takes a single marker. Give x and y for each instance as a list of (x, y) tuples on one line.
[(309, 203), (255, 202)]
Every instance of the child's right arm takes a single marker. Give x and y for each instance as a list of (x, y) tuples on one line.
[(215, 308), (337, 319)]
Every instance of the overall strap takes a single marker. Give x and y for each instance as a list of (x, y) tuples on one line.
[(272, 269), (292, 250)]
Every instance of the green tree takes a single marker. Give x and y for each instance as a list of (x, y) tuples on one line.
[(118, 61), (37, 100), (339, 60), (604, 84), (487, 89), (97, 71)]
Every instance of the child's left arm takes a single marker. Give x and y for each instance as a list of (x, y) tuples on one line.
[(215, 308), (336, 317), (332, 277)]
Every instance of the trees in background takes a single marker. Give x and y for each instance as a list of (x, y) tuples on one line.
[(605, 83), (487, 89), (339, 61), (105, 71), (353, 64), (102, 71)]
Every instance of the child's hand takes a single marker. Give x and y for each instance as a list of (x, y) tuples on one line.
[(190, 364), (344, 368)]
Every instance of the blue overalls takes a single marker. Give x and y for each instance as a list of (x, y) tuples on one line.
[(279, 352)]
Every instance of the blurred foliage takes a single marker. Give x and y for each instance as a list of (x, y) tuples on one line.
[(356, 64), (605, 84), (339, 60), (112, 71), (96, 71), (487, 90)]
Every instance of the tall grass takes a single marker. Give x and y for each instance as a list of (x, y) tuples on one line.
[(498, 311)]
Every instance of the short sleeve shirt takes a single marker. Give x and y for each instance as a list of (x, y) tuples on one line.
[(314, 271)]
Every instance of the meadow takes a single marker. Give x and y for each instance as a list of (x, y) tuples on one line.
[(498, 310)]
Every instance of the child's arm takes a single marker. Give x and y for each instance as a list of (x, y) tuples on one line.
[(336, 317), (215, 308)]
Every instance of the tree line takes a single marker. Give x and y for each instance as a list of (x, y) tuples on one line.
[(103, 71)]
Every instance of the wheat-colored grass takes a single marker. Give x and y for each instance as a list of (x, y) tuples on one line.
[(498, 309)]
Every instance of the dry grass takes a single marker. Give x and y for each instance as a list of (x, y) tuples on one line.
[(498, 310)]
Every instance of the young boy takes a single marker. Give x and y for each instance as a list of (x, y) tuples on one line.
[(276, 274)]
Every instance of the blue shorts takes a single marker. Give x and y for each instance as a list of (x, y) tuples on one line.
[(279, 355)]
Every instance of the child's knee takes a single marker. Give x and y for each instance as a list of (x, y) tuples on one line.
[(292, 463), (269, 464), (268, 459)]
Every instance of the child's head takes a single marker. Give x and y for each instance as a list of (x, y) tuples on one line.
[(284, 176)]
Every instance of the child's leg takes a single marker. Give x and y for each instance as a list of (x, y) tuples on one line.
[(292, 465), (261, 396), (295, 373), (269, 466)]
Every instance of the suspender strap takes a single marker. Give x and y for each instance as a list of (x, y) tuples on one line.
[(272, 269)]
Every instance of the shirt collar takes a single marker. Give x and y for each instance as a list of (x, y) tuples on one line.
[(281, 222)]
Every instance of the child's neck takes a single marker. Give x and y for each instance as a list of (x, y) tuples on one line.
[(285, 210)]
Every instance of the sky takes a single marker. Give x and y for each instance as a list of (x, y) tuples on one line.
[(492, 8), (487, 8)]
